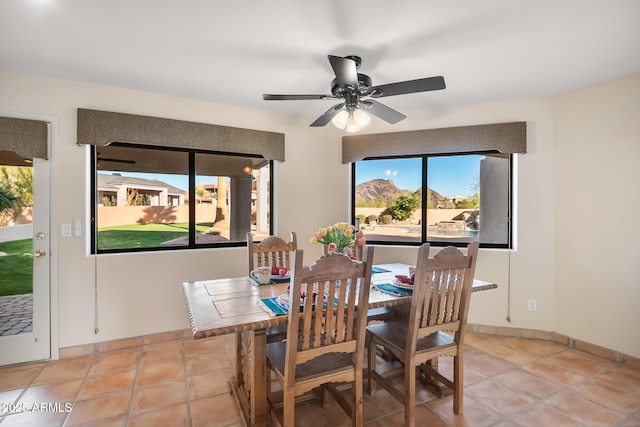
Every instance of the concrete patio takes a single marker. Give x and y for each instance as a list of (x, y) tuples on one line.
[(16, 314)]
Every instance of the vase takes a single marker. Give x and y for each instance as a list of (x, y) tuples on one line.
[(347, 251)]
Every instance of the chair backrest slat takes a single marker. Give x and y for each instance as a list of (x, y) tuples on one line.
[(441, 291)]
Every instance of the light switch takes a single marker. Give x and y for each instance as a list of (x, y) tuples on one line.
[(66, 230), (78, 228)]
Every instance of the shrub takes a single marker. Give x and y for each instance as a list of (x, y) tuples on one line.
[(371, 218), (404, 206), (386, 219), (360, 218)]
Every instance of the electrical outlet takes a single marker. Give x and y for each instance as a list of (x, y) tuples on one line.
[(532, 305)]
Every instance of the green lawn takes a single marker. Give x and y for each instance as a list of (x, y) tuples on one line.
[(17, 269), (144, 235)]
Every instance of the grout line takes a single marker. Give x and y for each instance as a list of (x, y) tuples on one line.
[(75, 399), (135, 383), (186, 380)]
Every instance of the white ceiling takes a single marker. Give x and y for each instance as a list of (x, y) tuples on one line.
[(232, 52)]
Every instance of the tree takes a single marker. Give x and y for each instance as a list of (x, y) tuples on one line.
[(135, 198), (7, 205), (404, 206), (200, 193), (19, 182), (472, 202)]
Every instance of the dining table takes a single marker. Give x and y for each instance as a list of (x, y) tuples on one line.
[(237, 306)]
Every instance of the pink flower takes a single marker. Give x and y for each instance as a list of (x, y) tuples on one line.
[(360, 242), (318, 236), (359, 234), (332, 246)]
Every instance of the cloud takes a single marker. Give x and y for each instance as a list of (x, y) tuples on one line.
[(389, 172)]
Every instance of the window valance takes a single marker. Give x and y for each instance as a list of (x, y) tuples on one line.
[(28, 138), (502, 138), (104, 127)]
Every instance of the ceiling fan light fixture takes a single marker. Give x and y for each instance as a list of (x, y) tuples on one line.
[(362, 119), (351, 121), (352, 125), (340, 120)]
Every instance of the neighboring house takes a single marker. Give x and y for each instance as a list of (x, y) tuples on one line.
[(457, 198), (116, 188)]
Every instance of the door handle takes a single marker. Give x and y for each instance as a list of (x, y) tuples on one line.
[(39, 253)]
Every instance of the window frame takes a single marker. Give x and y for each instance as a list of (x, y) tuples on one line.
[(191, 152), (423, 236)]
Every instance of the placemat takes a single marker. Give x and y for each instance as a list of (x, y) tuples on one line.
[(393, 290), (273, 280), (375, 270), (275, 308)]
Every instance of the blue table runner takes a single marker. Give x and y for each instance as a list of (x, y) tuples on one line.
[(394, 290)]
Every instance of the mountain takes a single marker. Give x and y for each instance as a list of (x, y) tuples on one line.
[(386, 189), (378, 189)]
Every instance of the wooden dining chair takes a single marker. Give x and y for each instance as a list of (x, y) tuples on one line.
[(328, 347), (272, 251), (435, 327)]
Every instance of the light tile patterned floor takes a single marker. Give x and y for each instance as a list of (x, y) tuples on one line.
[(181, 382)]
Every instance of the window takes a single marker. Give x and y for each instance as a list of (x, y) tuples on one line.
[(154, 198), (467, 198)]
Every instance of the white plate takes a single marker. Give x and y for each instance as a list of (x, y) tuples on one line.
[(280, 279), (284, 299)]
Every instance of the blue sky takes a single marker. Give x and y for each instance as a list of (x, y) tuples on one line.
[(449, 175)]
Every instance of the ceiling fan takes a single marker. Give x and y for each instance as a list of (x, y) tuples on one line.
[(356, 90)]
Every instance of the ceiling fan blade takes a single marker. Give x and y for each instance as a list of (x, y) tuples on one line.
[(328, 115), (345, 70), (269, 97), (409, 86), (387, 114)]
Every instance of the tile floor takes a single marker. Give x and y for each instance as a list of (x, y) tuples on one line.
[(182, 382)]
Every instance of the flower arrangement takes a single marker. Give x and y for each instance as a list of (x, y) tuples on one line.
[(338, 237)]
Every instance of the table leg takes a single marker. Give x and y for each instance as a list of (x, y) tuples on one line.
[(249, 384), (259, 409)]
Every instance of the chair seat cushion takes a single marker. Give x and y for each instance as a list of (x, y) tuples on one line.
[(337, 362), (394, 335)]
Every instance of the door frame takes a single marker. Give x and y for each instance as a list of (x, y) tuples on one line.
[(52, 255)]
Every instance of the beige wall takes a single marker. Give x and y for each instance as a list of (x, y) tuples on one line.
[(141, 293), (597, 147)]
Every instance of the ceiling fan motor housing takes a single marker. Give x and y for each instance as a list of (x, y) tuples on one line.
[(364, 84)]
